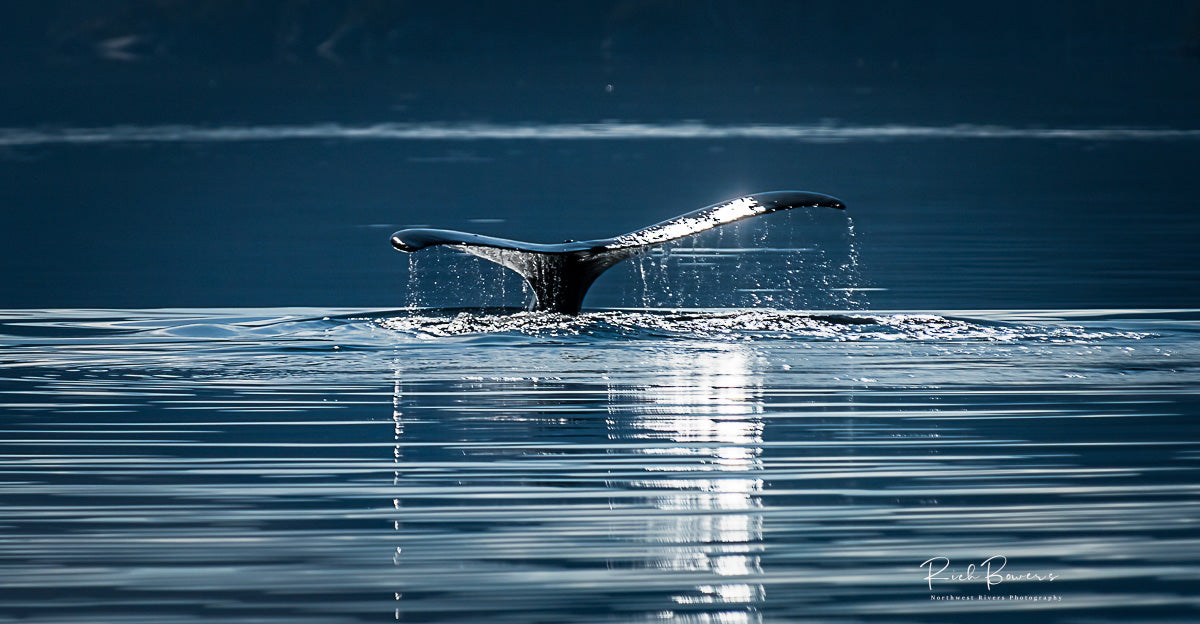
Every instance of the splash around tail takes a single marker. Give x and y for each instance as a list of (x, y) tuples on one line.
[(561, 274)]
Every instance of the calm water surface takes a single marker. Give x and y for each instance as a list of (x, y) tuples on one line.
[(323, 465)]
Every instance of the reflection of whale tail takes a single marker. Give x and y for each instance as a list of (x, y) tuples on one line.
[(561, 274)]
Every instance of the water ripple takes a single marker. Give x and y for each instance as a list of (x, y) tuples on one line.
[(621, 466)]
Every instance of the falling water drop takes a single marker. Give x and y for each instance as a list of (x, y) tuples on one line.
[(644, 295), (851, 276), (412, 297), (665, 273)]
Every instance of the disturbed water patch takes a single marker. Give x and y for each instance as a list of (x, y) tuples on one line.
[(736, 325), (293, 328)]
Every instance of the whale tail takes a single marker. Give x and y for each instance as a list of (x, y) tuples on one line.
[(561, 274)]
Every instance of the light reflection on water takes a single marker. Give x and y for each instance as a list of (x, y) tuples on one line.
[(325, 465), (702, 433)]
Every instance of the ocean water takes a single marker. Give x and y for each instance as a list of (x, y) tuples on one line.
[(626, 465), (970, 397)]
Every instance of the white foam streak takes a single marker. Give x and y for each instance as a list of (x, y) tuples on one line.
[(814, 133)]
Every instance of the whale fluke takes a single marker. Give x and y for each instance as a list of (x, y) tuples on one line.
[(560, 274)]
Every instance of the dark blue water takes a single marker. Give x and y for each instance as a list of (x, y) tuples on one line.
[(1065, 224), (225, 397), (199, 154)]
